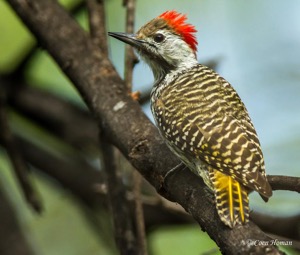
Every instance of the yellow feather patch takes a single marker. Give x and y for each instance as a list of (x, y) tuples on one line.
[(231, 199), (239, 192)]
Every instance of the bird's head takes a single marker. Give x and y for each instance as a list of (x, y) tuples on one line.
[(166, 43)]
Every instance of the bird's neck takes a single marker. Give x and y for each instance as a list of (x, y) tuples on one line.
[(170, 67), (165, 77)]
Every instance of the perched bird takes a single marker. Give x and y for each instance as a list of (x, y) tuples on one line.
[(200, 116)]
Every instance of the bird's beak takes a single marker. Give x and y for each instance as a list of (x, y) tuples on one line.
[(127, 38)]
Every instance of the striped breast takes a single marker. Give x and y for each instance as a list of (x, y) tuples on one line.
[(203, 119)]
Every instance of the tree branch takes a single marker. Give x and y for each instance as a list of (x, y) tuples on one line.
[(130, 61), (281, 182), (124, 123), (65, 120), (130, 58), (97, 24), (87, 183), (13, 241), (123, 227), (76, 175), (20, 168), (287, 227)]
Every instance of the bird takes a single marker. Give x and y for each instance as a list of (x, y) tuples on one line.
[(200, 116)]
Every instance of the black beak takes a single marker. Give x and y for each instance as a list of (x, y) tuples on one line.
[(127, 38)]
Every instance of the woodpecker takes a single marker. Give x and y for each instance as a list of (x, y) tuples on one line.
[(200, 116)]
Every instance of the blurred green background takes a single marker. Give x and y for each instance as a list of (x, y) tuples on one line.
[(256, 45)]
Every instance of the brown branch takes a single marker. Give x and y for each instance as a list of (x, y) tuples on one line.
[(73, 173), (123, 227), (130, 58), (87, 184), (97, 24), (139, 214), (130, 61), (12, 240), (32, 48), (287, 227), (20, 168), (281, 182), (125, 124), (64, 119)]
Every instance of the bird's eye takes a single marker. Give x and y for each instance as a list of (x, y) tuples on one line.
[(158, 38)]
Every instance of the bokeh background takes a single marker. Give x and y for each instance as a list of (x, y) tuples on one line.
[(256, 47)]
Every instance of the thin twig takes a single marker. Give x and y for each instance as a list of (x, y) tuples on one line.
[(71, 172), (97, 24), (287, 226), (281, 182), (19, 166), (64, 119), (139, 213), (14, 241), (32, 48), (130, 61), (130, 58), (123, 227)]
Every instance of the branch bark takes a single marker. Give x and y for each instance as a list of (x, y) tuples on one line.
[(87, 183), (76, 175), (287, 227), (97, 24), (130, 61), (63, 119), (119, 205), (20, 168), (281, 182), (13, 241), (123, 226), (124, 123), (130, 58)]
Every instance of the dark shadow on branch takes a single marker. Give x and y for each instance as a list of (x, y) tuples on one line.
[(15, 242), (281, 182), (19, 166)]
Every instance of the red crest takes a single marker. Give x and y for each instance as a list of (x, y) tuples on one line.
[(177, 22)]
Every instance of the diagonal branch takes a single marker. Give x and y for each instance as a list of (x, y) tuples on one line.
[(123, 122), (130, 57), (287, 227), (281, 182), (97, 24), (76, 175), (12, 236), (130, 61), (64, 119), (20, 167), (123, 227)]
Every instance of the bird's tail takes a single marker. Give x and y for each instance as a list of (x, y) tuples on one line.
[(231, 199)]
